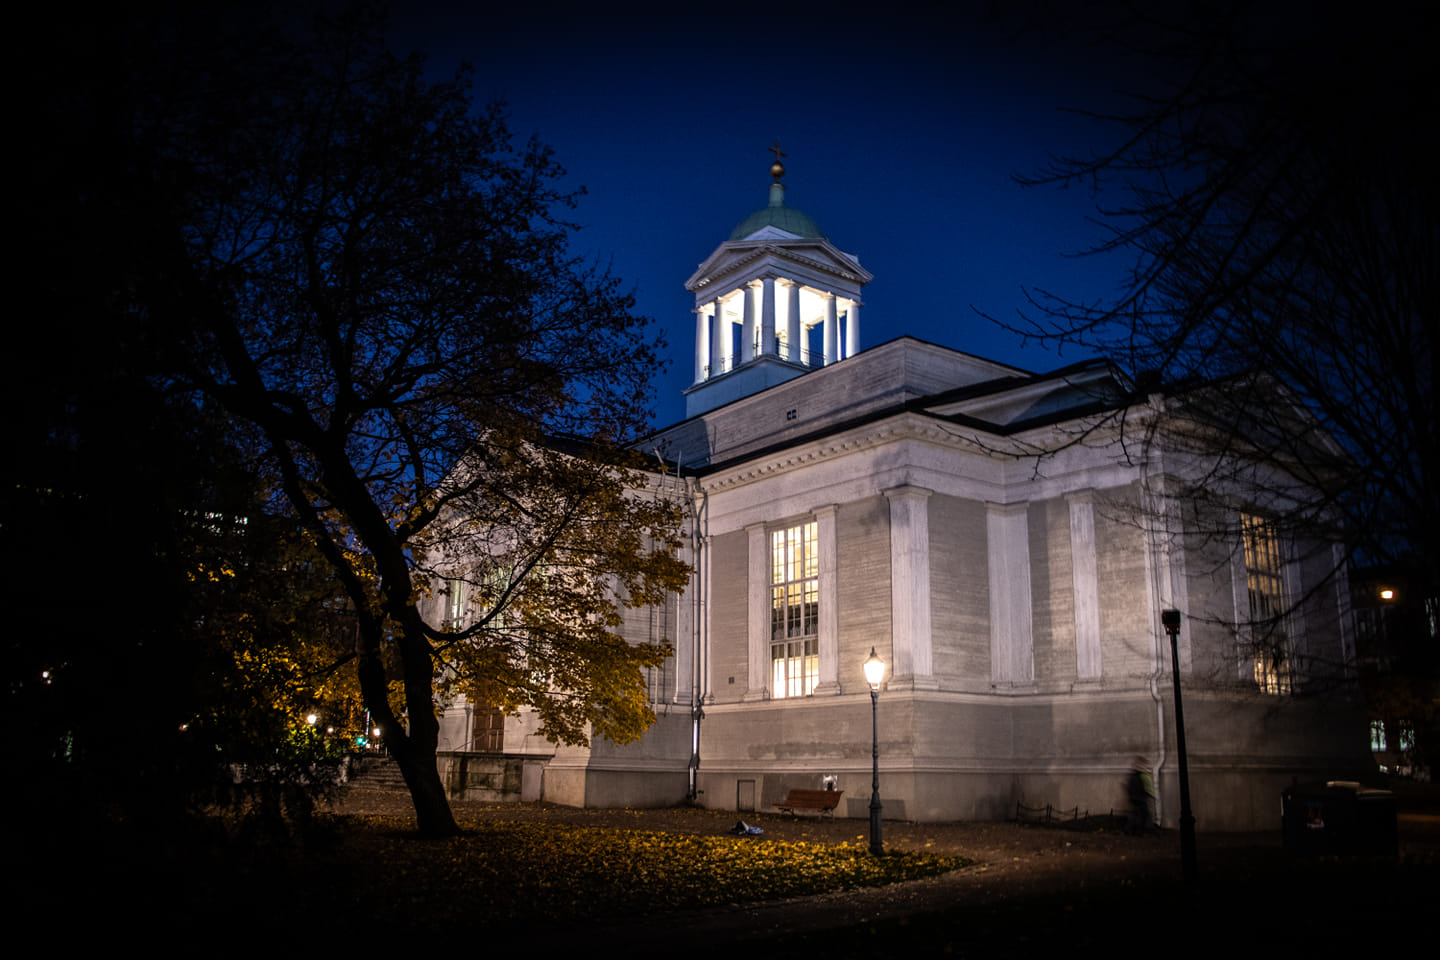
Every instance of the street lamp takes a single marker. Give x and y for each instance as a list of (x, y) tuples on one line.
[(1171, 620), (874, 673)]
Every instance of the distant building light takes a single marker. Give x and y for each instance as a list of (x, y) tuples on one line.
[(1386, 593)]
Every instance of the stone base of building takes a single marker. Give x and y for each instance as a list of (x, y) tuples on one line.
[(947, 756), (985, 757)]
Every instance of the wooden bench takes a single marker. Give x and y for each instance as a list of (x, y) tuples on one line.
[(823, 800)]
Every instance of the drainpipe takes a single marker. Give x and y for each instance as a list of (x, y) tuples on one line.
[(1160, 736), (1157, 646), (697, 672)]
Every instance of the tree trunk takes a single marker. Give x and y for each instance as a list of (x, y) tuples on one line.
[(432, 809), (413, 750)]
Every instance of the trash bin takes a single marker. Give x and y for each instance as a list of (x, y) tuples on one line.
[(1338, 818)]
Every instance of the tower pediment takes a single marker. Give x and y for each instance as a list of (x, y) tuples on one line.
[(818, 260)]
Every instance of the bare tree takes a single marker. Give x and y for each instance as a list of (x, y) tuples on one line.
[(363, 271), (1271, 180)]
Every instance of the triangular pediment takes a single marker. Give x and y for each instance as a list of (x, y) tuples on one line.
[(737, 261), (1009, 400), (772, 232)]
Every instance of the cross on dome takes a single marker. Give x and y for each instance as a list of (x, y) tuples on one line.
[(777, 169)]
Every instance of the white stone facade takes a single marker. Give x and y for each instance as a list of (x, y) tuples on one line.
[(1007, 560)]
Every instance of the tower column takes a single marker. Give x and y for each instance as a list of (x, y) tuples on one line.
[(767, 316), (852, 328), (792, 324), (702, 344), (747, 328), (719, 339), (832, 330)]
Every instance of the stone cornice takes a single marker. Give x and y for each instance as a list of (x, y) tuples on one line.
[(902, 427)]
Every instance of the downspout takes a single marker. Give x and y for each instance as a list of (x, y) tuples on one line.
[(697, 503), (692, 514), (1160, 733), (1156, 645)]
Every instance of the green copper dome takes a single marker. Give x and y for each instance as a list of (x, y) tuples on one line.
[(779, 216)]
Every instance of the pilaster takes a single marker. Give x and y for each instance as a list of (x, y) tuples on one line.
[(911, 641), (704, 612), (686, 631), (1012, 642), (1084, 584), (829, 681), (1167, 545), (757, 603)]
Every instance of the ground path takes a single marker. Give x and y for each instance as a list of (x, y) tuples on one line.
[(1033, 884)]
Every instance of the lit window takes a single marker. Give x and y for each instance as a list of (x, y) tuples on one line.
[(794, 610), (1377, 736), (1264, 575), (454, 603)]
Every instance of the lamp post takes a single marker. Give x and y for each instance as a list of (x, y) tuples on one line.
[(1171, 621), (874, 673)]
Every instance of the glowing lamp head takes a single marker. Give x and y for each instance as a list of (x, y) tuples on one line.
[(310, 718), (1386, 593), (874, 670)]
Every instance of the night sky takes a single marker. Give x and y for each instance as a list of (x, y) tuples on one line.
[(901, 134)]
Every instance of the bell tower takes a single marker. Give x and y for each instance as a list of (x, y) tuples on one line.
[(759, 298)]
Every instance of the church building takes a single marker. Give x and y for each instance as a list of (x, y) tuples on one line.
[(985, 532)]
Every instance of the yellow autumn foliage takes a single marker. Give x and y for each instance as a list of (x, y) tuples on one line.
[(511, 871)]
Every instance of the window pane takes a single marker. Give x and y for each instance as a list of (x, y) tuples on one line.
[(794, 610), (454, 602), (1265, 585)]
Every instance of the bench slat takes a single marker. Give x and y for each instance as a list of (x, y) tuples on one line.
[(823, 800)]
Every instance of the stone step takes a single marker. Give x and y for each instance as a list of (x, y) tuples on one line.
[(377, 773)]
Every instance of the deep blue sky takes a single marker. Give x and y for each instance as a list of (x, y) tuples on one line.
[(901, 133)]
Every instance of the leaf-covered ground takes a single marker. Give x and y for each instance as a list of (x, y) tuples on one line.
[(555, 879), (512, 872)]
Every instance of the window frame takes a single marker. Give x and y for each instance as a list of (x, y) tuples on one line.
[(1272, 640), (793, 638), (454, 618)]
